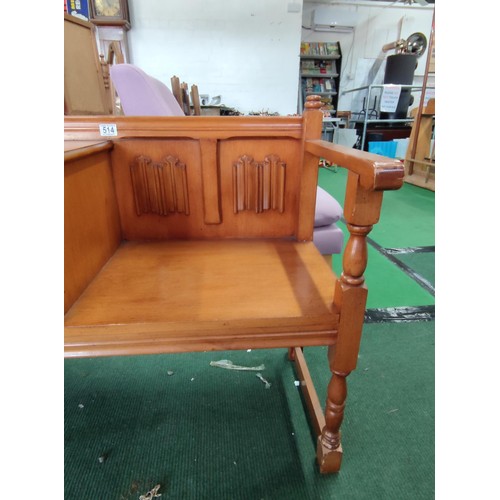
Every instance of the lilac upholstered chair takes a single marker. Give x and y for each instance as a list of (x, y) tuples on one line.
[(143, 95), (327, 236)]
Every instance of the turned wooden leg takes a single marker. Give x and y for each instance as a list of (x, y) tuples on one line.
[(350, 297), (329, 450)]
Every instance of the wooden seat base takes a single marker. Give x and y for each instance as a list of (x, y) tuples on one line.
[(180, 296)]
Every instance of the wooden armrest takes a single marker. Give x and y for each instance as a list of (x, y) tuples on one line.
[(377, 173)]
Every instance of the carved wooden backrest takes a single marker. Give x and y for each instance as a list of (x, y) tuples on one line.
[(209, 177), (186, 188)]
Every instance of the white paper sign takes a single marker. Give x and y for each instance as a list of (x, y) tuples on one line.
[(108, 130), (429, 94), (390, 98)]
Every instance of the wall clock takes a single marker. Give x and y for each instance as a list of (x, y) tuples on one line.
[(109, 12)]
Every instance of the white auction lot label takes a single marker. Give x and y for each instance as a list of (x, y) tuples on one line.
[(108, 129)]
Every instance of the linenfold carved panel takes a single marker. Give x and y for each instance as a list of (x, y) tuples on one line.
[(159, 187), (259, 186)]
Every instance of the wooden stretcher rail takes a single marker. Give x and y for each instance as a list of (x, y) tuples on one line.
[(190, 343), (311, 397)]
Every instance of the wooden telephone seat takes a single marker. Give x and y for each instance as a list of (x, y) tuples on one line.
[(194, 233)]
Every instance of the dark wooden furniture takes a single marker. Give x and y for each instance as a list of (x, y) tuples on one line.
[(194, 233), (382, 132), (181, 94)]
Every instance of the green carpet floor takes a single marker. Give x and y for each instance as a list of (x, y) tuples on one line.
[(421, 263), (210, 433), (202, 432), (407, 215), (407, 220)]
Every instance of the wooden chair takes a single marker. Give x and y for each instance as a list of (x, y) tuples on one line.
[(194, 234), (181, 94), (114, 56), (195, 99), (176, 90)]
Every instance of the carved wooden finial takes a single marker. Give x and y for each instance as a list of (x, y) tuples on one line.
[(313, 102)]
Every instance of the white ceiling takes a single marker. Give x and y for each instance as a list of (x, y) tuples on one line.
[(417, 3)]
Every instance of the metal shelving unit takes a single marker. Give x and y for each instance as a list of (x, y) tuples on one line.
[(366, 120), (320, 61)]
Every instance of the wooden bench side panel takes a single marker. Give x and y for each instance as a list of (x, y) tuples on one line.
[(190, 188), (91, 222)]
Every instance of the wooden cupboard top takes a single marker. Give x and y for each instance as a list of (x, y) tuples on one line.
[(150, 295)]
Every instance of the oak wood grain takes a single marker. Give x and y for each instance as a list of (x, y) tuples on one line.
[(91, 222), (217, 294), (193, 127), (210, 189), (376, 172), (75, 150)]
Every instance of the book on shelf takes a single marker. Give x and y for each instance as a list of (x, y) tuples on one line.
[(318, 67), (307, 65), (319, 48), (304, 48), (320, 85), (332, 49)]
